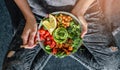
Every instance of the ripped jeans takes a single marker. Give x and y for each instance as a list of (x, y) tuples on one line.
[(97, 53)]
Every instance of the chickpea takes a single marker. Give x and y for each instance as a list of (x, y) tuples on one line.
[(66, 19), (63, 21), (66, 23), (69, 17), (63, 17), (69, 20)]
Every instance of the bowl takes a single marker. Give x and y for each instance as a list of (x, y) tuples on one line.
[(62, 34)]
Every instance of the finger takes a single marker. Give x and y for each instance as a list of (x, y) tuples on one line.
[(31, 38), (84, 25), (25, 36), (27, 46), (84, 31), (83, 34)]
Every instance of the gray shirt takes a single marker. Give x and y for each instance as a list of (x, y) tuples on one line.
[(43, 7)]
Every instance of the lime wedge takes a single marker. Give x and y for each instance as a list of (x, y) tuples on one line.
[(51, 24)]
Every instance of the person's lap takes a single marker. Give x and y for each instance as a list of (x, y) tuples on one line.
[(96, 41), (22, 59)]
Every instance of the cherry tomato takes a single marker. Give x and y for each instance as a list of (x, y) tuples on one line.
[(52, 45), (51, 37), (42, 32), (46, 34), (48, 39), (42, 38), (48, 42)]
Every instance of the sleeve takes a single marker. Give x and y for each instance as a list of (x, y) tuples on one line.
[(37, 9)]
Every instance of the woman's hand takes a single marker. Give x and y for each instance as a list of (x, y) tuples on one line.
[(79, 10), (29, 33), (30, 28)]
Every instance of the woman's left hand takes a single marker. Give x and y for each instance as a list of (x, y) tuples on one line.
[(29, 33)]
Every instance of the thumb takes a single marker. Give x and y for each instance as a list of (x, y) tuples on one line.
[(84, 25), (84, 30)]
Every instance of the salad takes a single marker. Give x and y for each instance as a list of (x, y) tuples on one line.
[(59, 34)]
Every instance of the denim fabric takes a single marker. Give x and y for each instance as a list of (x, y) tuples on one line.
[(23, 58), (97, 54), (98, 40), (5, 31), (29, 59)]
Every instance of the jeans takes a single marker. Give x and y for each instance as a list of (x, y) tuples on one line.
[(97, 53)]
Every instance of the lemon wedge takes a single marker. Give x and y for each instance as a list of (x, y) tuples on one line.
[(51, 24)]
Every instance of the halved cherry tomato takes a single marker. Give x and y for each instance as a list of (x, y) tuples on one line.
[(48, 42), (42, 38), (52, 45), (48, 39), (51, 37), (46, 34), (42, 32)]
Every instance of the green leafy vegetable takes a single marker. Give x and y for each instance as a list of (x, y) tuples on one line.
[(74, 33)]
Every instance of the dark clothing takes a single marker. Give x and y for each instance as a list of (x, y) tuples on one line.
[(97, 54)]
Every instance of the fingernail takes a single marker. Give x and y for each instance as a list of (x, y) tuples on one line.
[(81, 36)]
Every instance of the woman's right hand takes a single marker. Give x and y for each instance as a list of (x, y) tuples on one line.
[(79, 10), (83, 22), (84, 26)]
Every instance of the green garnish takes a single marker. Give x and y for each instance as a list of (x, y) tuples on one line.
[(60, 35)]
